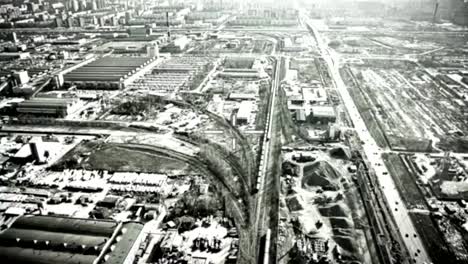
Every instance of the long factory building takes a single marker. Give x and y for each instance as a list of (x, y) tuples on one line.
[(107, 73), (50, 239)]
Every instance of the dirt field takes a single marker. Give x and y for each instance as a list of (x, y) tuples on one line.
[(95, 155), (433, 240), (405, 182), (409, 107)]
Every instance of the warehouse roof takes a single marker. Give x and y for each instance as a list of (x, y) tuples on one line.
[(245, 110), (19, 255), (66, 225), (123, 247), (45, 102), (66, 240), (107, 69), (323, 111)]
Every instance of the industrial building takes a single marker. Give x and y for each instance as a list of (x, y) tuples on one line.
[(56, 107), (50, 239), (8, 56), (107, 73), (244, 114), (323, 114)]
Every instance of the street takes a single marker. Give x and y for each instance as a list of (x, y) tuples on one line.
[(374, 154)]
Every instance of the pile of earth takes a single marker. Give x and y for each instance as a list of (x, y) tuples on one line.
[(340, 222), (319, 174), (453, 143), (336, 210), (345, 238), (341, 152), (294, 203), (349, 245), (343, 230)]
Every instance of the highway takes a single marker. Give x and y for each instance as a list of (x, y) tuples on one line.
[(374, 155)]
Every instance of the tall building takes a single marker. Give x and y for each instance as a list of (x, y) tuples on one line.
[(21, 77), (58, 22), (82, 5), (102, 21), (152, 50), (76, 6), (70, 22), (459, 12), (81, 22), (115, 20), (13, 37), (128, 16)]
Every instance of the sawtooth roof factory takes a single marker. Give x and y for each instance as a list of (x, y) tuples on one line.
[(49, 239), (108, 73)]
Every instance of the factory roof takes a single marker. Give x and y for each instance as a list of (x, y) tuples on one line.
[(66, 240), (323, 111), (242, 96), (21, 255), (107, 69), (123, 247), (46, 102), (66, 225), (245, 110)]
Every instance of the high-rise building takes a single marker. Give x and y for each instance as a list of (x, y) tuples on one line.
[(58, 22), (459, 12), (102, 21), (13, 37), (21, 77), (115, 21), (70, 22), (128, 16), (81, 22), (82, 4), (152, 50), (76, 6), (68, 5)]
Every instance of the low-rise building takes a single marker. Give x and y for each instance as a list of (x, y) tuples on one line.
[(56, 107)]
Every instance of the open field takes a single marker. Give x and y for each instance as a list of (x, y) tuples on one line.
[(427, 227), (93, 155), (410, 108), (239, 45), (433, 239), (406, 183)]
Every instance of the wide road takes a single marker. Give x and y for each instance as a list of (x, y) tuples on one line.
[(374, 155)]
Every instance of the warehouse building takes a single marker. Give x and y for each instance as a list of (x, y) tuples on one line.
[(245, 113), (56, 107), (107, 73), (322, 114), (49, 239)]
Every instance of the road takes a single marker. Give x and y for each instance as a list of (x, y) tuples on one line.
[(374, 155)]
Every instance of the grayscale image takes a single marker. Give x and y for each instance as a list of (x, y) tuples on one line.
[(233, 131)]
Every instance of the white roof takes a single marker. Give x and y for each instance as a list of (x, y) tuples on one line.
[(15, 211), (323, 111), (245, 109)]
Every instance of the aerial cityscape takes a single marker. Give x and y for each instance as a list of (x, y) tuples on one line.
[(241, 131)]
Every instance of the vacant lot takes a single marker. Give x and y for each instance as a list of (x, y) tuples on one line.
[(95, 155), (404, 181), (409, 107), (433, 239)]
